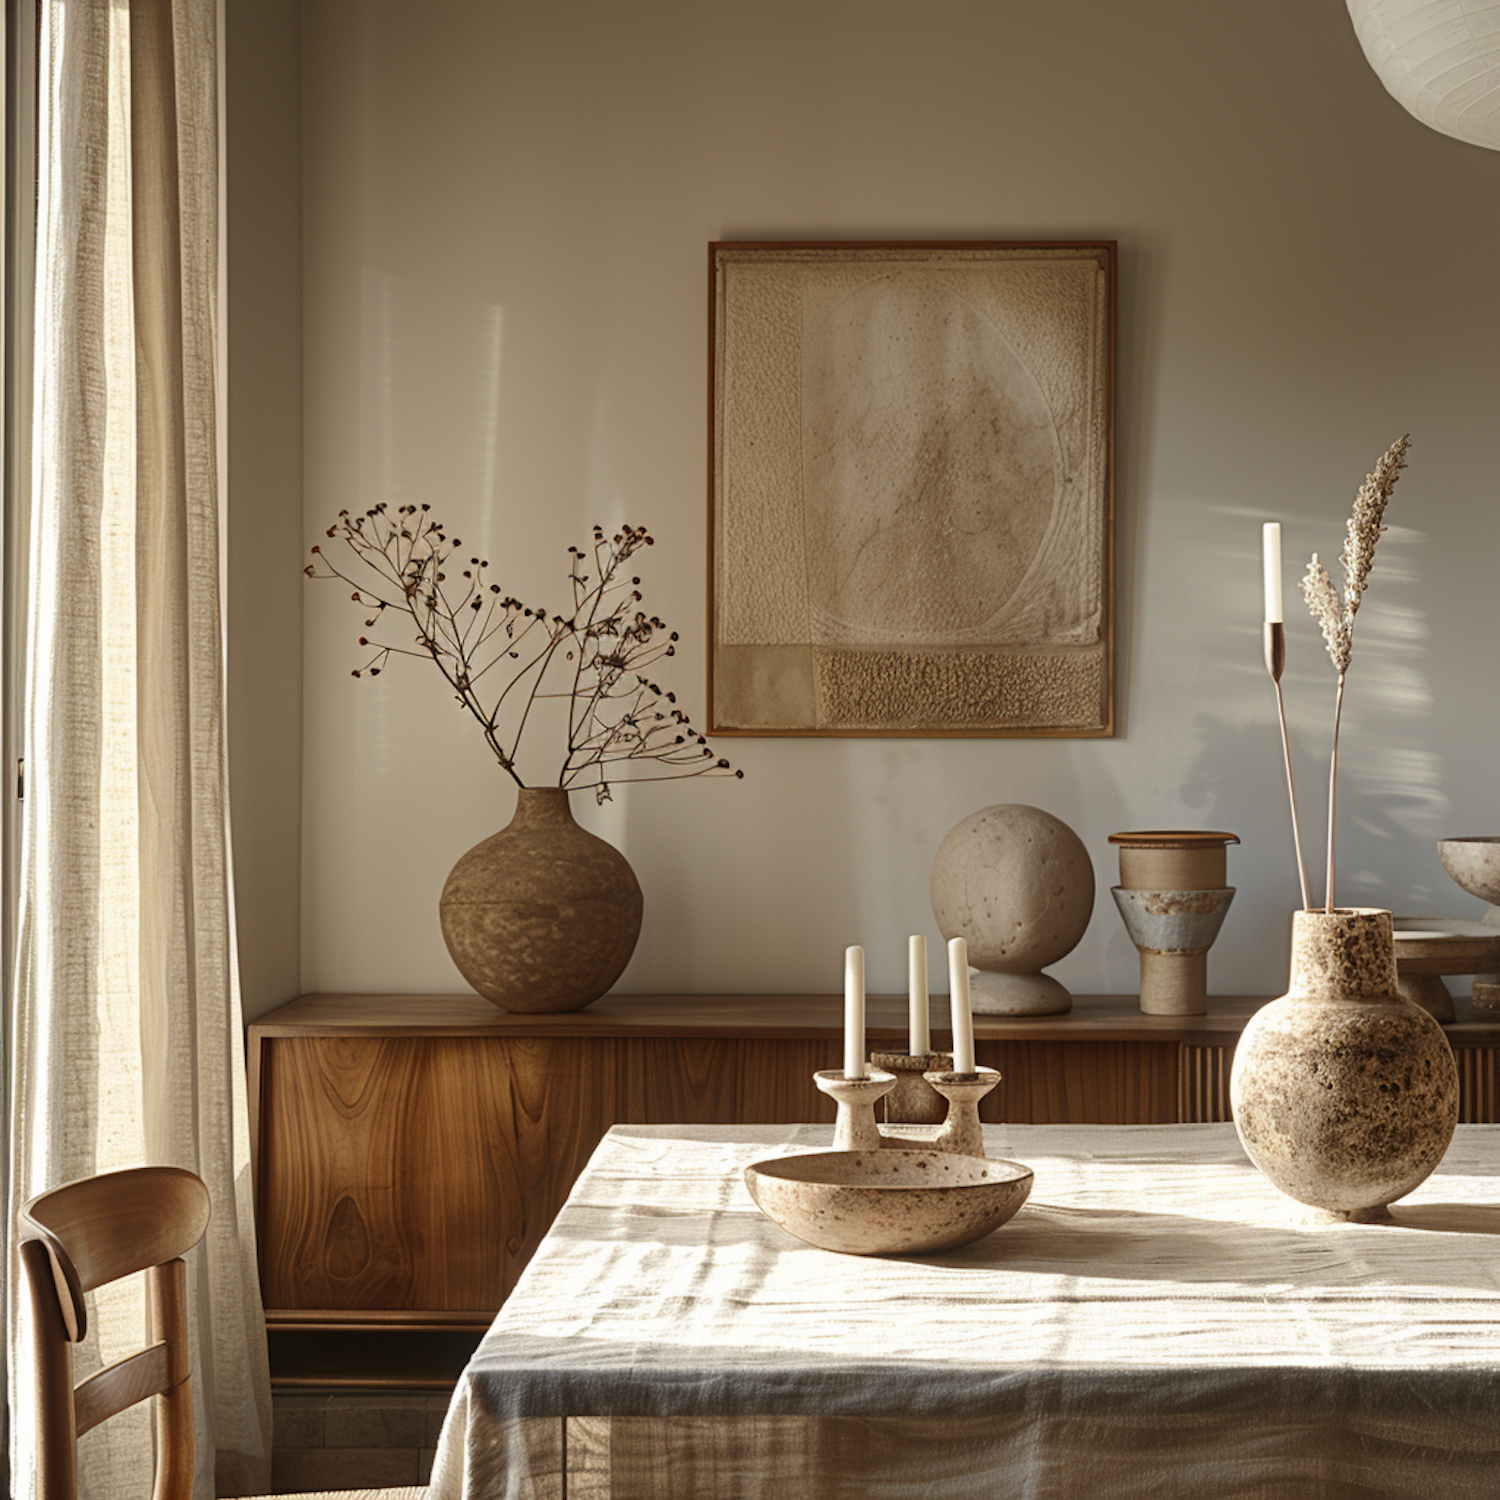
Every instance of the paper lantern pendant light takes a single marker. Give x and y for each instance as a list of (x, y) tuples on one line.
[(1440, 59)]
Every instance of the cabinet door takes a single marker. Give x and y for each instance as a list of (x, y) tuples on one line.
[(418, 1174)]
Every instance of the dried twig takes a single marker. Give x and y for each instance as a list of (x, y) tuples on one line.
[(617, 716)]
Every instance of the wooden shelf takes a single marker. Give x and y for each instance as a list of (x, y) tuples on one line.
[(1093, 1017), (1097, 1017)]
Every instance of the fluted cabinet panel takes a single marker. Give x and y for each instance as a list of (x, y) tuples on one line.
[(1478, 1085), (1203, 1084), (1081, 1082)]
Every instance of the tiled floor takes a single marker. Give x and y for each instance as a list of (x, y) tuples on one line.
[(339, 1441)]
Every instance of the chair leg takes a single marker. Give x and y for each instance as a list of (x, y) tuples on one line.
[(52, 1361), (166, 1303)]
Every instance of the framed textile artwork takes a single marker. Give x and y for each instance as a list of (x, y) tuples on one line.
[(911, 489)]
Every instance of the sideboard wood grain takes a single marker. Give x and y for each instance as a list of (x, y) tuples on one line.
[(411, 1151)]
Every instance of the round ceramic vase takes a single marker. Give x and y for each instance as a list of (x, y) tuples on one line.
[(1345, 1095), (543, 916)]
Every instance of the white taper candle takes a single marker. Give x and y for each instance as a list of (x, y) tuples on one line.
[(963, 1018), (919, 1040), (854, 1012), (1271, 554)]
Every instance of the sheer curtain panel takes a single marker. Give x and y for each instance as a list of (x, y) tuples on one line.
[(127, 1041)]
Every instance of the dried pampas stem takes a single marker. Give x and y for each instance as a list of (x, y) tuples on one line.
[(1333, 791), (1336, 618)]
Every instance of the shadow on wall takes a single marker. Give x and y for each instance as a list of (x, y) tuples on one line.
[(710, 920), (1391, 798), (1391, 777)]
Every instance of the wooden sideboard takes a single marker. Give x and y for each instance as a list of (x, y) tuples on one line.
[(410, 1151)]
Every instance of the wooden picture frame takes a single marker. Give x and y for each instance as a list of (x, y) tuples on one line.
[(911, 488)]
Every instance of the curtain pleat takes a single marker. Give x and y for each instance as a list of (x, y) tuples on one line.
[(127, 1045)]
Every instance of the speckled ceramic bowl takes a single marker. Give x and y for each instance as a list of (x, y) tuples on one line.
[(888, 1202), (1475, 864)]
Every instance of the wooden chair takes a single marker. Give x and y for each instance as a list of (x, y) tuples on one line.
[(84, 1235)]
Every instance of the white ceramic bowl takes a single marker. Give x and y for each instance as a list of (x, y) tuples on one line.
[(888, 1202)]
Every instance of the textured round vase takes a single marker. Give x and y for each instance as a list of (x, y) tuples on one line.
[(1344, 1094), (543, 916)]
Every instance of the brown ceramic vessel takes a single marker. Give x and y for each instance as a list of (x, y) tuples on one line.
[(543, 916), (1344, 1094)]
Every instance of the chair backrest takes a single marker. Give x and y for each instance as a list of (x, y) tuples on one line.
[(84, 1235)]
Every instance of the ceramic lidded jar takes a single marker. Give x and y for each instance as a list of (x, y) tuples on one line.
[(1345, 1095), (1173, 900), (542, 916)]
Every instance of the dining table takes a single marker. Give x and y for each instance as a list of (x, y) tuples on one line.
[(1156, 1320)]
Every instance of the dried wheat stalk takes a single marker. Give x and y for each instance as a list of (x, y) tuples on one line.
[(1336, 618)]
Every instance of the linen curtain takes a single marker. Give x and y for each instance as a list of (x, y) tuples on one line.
[(127, 1032)]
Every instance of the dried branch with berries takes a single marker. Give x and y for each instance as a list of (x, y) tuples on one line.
[(501, 657)]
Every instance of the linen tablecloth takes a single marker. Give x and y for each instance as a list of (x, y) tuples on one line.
[(1157, 1320)]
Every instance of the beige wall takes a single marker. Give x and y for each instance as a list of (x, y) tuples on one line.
[(505, 213), (263, 186)]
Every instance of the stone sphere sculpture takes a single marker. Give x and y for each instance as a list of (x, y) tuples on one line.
[(1018, 886)]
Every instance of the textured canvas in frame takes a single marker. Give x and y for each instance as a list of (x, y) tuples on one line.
[(911, 489)]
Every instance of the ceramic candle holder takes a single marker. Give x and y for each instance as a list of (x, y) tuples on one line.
[(855, 1129), (961, 1131), (913, 1101)]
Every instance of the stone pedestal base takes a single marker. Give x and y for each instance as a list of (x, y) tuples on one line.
[(1017, 995)]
